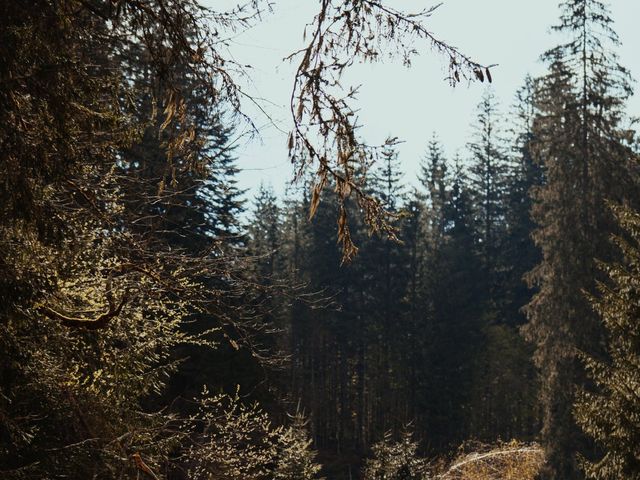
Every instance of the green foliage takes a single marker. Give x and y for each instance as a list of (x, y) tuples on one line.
[(296, 459), (123, 259), (240, 441), (488, 179), (582, 147), (104, 236), (264, 232), (416, 335), (609, 412), (395, 460), (71, 396)]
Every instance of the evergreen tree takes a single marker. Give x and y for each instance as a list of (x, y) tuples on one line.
[(609, 412), (434, 179), (323, 341), (520, 252), (412, 234), (508, 407), (219, 190), (197, 201), (581, 148), (264, 231), (385, 269), (505, 393), (500, 404), (95, 283), (488, 175), (451, 321), (297, 460), (395, 460), (387, 180)]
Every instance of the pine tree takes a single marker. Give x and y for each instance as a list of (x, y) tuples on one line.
[(223, 199), (296, 460), (264, 233), (500, 381), (395, 460), (412, 233), (94, 291), (384, 261), (581, 148), (509, 391), (434, 179), (386, 180), (520, 253), (323, 341), (610, 412), (451, 321), (197, 201), (488, 176)]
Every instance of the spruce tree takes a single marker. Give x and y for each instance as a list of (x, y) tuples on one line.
[(488, 176), (500, 385), (219, 191), (451, 321), (197, 200), (434, 179), (504, 397), (264, 231), (609, 412), (585, 161), (520, 252), (384, 261)]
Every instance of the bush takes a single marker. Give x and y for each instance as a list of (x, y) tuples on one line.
[(240, 442), (396, 460)]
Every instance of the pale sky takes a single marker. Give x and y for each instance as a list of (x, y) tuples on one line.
[(407, 103)]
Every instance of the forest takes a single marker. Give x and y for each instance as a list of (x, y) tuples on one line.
[(160, 321)]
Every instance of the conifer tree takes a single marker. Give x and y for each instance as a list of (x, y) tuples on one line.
[(488, 175), (395, 460), (434, 179), (94, 292), (385, 263), (499, 386), (297, 460), (505, 395), (609, 412), (582, 150), (219, 191), (264, 233), (525, 175), (451, 324)]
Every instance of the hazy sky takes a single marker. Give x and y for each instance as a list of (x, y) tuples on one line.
[(408, 103)]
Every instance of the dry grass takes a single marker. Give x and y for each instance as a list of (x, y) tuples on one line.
[(504, 461)]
